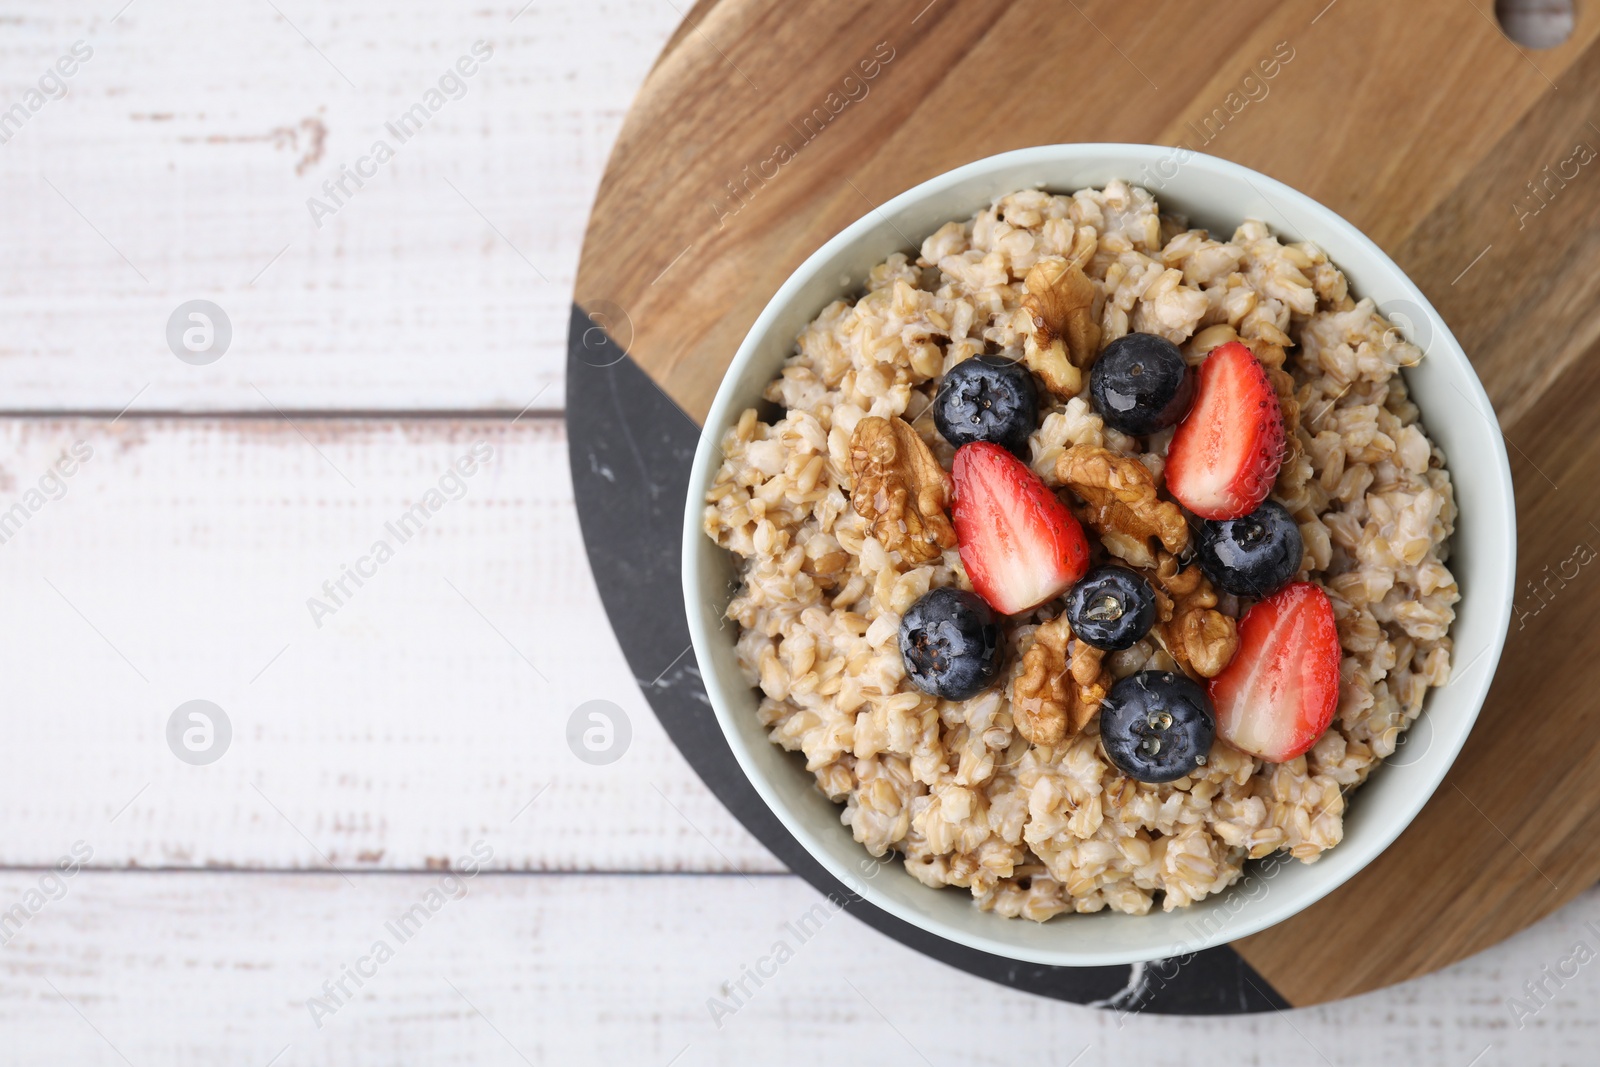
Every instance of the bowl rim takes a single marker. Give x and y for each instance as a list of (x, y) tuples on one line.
[(1444, 345)]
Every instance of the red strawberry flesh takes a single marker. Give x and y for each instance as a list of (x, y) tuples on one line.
[(1280, 691), (1225, 454), (1019, 543)]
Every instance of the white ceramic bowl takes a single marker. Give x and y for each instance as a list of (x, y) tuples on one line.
[(1217, 194)]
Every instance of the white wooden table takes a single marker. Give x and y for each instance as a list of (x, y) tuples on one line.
[(228, 911)]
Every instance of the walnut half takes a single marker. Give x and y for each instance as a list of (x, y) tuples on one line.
[(1065, 335), (1202, 639), (1060, 687), (1123, 506), (900, 488)]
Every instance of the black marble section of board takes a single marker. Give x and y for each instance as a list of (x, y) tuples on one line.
[(630, 448)]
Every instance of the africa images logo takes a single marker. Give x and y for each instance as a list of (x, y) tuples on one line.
[(452, 85), (451, 486)]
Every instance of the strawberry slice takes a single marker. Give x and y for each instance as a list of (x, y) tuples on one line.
[(1226, 452), (1279, 693), (1019, 543)]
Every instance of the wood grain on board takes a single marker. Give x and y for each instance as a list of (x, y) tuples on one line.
[(1421, 123), (691, 244)]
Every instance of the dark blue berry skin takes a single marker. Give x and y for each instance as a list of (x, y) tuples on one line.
[(987, 398), (950, 643), (1140, 384), (1111, 608), (1157, 726), (1252, 556)]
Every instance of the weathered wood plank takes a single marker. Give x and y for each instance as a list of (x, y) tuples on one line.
[(427, 709), (443, 281), (206, 968)]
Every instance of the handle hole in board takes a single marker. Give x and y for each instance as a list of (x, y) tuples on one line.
[(1535, 23)]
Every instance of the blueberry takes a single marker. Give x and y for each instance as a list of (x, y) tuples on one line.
[(950, 643), (987, 398), (1157, 726), (1252, 556), (1111, 608), (1140, 384)]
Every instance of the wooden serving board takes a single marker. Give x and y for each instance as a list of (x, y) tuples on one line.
[(1472, 161)]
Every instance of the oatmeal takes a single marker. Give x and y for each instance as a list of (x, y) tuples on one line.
[(848, 510)]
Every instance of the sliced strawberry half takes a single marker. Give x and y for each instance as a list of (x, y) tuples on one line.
[(1019, 543), (1279, 693), (1226, 452)]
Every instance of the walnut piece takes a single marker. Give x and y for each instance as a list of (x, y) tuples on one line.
[(1122, 503), (1199, 637), (1061, 685), (900, 488), (1065, 335)]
